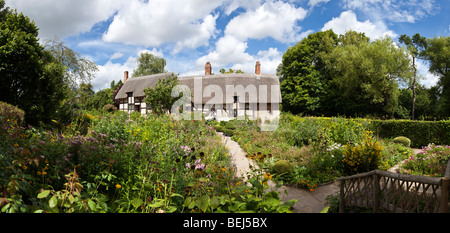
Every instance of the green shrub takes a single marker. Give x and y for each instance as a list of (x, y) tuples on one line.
[(362, 157), (109, 108), (228, 132), (10, 112), (403, 140), (218, 128), (283, 166), (230, 125)]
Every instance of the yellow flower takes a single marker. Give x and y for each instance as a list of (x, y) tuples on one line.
[(268, 176), (16, 145), (118, 186)]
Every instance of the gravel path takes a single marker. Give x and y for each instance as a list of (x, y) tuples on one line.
[(308, 202)]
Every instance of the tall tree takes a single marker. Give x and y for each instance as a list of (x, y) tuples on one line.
[(159, 97), (303, 77), (149, 64), (413, 45), (437, 52), (77, 68), (84, 92), (367, 74), (30, 76), (4, 11)]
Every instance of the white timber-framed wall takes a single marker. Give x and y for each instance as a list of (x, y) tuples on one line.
[(241, 103)]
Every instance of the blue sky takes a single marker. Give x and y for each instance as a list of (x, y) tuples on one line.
[(228, 33)]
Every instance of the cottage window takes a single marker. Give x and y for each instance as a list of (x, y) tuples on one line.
[(130, 97), (130, 107)]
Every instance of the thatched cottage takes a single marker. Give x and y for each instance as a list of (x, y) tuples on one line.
[(218, 96)]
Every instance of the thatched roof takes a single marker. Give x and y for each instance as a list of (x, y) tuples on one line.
[(137, 85), (251, 85)]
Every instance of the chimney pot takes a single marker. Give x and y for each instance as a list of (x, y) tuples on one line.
[(208, 69), (125, 76), (258, 68)]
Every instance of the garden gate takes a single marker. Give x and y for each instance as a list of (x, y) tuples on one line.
[(396, 192)]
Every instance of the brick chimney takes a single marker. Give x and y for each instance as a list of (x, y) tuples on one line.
[(258, 68), (208, 69), (125, 76)]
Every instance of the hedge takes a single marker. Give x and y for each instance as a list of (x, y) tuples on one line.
[(421, 133)]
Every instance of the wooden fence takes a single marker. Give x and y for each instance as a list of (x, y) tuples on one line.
[(396, 192)]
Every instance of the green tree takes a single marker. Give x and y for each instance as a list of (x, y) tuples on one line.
[(84, 92), (413, 46), (31, 77), (4, 11), (367, 75), (424, 105), (159, 97), (303, 76), (77, 68), (231, 71), (437, 52), (149, 64), (99, 99)]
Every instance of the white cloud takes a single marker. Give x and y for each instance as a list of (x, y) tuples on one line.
[(425, 77), (348, 21), (269, 59), (112, 71), (154, 51), (116, 55), (272, 19), (231, 53), (396, 11), (65, 18), (206, 30), (156, 22), (313, 3), (229, 50), (232, 5)]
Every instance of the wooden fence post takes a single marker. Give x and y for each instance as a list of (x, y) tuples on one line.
[(341, 197), (444, 195), (376, 198)]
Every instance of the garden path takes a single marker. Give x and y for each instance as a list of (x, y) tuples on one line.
[(308, 202)]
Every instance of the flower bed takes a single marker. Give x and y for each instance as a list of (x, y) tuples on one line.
[(320, 149), (430, 161), (122, 164)]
